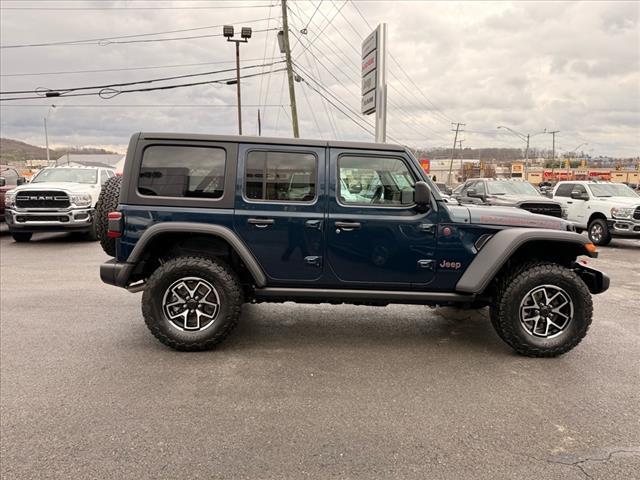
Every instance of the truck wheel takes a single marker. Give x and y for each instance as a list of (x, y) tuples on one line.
[(542, 309), (21, 236), (192, 303), (599, 232), (107, 202)]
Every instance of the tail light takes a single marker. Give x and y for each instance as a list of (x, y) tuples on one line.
[(115, 224)]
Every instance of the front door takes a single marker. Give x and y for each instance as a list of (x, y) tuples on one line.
[(376, 237), (279, 210)]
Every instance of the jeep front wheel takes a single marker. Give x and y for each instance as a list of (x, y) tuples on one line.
[(599, 232), (192, 303), (542, 309)]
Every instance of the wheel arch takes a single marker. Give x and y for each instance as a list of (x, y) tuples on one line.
[(515, 245), (596, 215), (214, 240)]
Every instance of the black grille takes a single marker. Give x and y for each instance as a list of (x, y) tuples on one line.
[(636, 213), (551, 209), (42, 199)]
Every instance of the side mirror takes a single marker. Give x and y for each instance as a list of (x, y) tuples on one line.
[(473, 193), (3, 181), (422, 195), (579, 195), (21, 181)]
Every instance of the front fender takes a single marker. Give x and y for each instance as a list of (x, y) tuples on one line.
[(497, 251)]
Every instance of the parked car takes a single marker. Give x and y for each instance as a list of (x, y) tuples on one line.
[(9, 179), (606, 210), (201, 225), (58, 199), (512, 193)]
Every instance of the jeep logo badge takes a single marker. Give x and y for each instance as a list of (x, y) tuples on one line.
[(450, 265)]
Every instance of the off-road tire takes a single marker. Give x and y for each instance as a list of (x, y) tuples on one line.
[(107, 202), (21, 237), (214, 271), (512, 288), (605, 238)]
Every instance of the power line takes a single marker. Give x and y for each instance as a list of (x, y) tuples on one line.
[(146, 105), (111, 93), (126, 69), (126, 84), (191, 7), (101, 40)]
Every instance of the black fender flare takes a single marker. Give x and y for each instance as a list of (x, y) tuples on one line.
[(215, 230), (497, 250)]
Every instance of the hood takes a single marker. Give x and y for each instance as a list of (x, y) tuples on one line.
[(504, 216), (623, 201), (518, 199)]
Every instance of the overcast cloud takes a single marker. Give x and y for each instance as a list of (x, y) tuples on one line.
[(572, 67)]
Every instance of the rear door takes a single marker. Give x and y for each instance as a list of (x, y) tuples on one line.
[(279, 209), (376, 237)]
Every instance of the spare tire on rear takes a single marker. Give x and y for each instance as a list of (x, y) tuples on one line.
[(107, 202)]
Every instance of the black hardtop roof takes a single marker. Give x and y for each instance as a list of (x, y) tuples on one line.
[(271, 140)]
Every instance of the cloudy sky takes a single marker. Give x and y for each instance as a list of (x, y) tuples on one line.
[(572, 67)]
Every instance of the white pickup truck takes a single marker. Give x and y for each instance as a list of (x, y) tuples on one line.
[(604, 209), (58, 199)]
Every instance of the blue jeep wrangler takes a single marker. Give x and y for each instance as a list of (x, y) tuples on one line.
[(205, 223)]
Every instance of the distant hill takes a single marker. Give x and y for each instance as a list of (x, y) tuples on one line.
[(17, 151)]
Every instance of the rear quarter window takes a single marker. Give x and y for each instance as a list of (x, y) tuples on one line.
[(182, 171)]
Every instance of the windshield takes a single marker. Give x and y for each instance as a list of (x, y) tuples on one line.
[(611, 190), (511, 188), (75, 175)]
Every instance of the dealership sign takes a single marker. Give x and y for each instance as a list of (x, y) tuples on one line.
[(369, 70)]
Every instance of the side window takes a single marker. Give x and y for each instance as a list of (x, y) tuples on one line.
[(103, 177), (280, 176), (181, 171), (480, 188), (374, 181), (565, 190)]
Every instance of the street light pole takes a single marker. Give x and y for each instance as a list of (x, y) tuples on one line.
[(46, 133), (525, 138), (245, 34), (46, 139)]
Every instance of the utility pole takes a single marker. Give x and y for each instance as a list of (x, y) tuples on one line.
[(526, 159), (453, 150), (553, 150), (287, 51)]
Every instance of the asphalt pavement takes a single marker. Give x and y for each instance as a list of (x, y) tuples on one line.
[(302, 391)]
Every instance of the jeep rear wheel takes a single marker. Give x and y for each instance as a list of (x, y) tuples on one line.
[(599, 232), (192, 303), (107, 202), (542, 309)]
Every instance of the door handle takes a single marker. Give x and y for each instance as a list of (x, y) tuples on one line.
[(426, 264), (348, 226), (569, 202), (261, 222), (317, 224)]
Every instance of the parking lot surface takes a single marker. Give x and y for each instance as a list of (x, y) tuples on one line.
[(302, 391)]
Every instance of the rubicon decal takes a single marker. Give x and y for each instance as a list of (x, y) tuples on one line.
[(448, 265)]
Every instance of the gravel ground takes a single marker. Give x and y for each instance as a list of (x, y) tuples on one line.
[(304, 391)]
